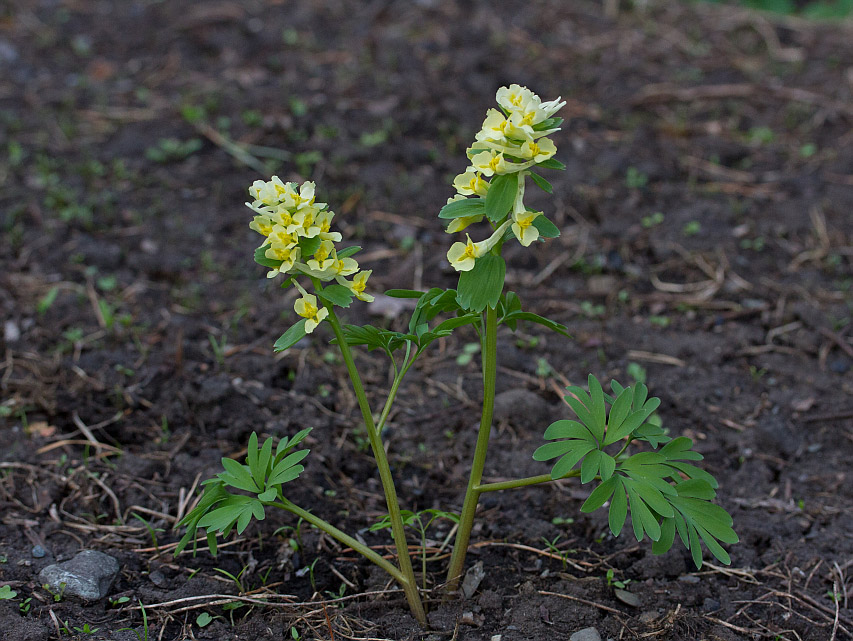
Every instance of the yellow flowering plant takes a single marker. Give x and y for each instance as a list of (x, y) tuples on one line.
[(664, 493)]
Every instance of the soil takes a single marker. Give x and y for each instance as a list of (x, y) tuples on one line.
[(707, 244)]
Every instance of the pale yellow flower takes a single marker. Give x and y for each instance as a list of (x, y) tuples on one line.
[(516, 98), (462, 256), (287, 254), (538, 151), (523, 228), (358, 285), (489, 163), (470, 183), (307, 308)]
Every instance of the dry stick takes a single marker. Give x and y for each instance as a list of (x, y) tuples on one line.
[(580, 600), (837, 610)]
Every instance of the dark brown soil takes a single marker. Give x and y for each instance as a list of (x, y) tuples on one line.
[(707, 238)]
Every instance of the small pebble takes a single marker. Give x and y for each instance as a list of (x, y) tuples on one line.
[(38, 552), (587, 634)]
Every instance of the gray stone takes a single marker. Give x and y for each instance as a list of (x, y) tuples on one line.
[(38, 552), (88, 576), (587, 634)]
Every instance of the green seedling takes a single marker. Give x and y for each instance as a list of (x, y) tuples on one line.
[(171, 149), (552, 545), (613, 582), (25, 606), (152, 531), (652, 220), (140, 636), (612, 444), (114, 603), (6, 592), (57, 596), (235, 579), (420, 521), (203, 619), (635, 179), (86, 629)]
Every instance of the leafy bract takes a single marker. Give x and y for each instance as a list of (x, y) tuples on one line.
[(292, 336), (662, 491), (465, 207), (481, 287), (500, 197), (262, 476), (336, 295), (543, 184), (261, 259)]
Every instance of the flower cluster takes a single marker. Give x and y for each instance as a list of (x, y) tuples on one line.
[(299, 240), (512, 140)]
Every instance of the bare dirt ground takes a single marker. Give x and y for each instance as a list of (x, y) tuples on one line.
[(707, 219)]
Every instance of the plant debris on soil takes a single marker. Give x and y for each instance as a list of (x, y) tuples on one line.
[(706, 248)]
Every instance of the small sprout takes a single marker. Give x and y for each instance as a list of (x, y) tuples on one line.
[(635, 179), (6, 592), (467, 355), (637, 372), (653, 220), (691, 228), (47, 301), (203, 619)]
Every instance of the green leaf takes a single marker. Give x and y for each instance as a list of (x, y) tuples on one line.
[(287, 469), (292, 336), (346, 252), (336, 295), (261, 259), (252, 460), (460, 208), (580, 401), (551, 163), (237, 475), (515, 316), (482, 286), (589, 467), (501, 195), (567, 463), (548, 123), (211, 542), (568, 429), (543, 184), (546, 228), (234, 509), (459, 321), (667, 537), (268, 496), (285, 445), (553, 450), (679, 448), (596, 395), (642, 518), (601, 494), (403, 293), (618, 508)]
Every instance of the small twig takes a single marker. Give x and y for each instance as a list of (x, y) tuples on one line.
[(580, 600)]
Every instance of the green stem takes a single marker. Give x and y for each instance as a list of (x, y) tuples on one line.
[(344, 538), (472, 494), (530, 480), (408, 575)]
